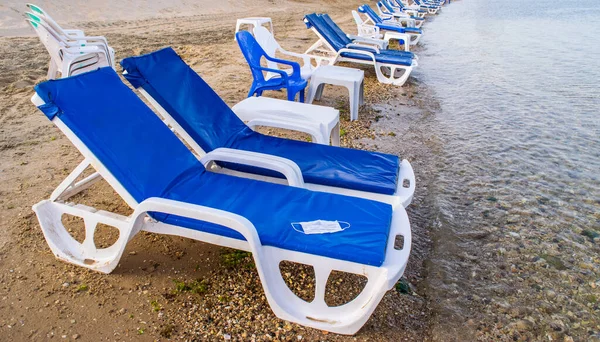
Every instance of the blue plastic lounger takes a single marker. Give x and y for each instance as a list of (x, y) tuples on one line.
[(387, 9), (254, 53), (387, 12), (391, 66), (171, 192), (348, 39), (390, 25), (208, 125), (397, 5)]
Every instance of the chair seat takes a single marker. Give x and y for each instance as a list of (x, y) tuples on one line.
[(272, 208)]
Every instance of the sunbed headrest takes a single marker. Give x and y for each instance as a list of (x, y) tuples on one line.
[(340, 33), (186, 97), (136, 147)]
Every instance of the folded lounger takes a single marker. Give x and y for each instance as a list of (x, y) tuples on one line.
[(388, 24), (206, 123), (391, 67), (171, 192)]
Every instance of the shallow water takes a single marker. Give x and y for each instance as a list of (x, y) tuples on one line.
[(516, 97)]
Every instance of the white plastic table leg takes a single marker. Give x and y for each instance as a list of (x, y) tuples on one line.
[(335, 136)]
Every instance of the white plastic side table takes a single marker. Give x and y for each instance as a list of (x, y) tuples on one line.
[(353, 79), (253, 21), (322, 123)]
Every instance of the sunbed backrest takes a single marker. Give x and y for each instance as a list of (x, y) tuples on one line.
[(366, 9), (121, 131), (325, 31), (338, 31), (186, 97)]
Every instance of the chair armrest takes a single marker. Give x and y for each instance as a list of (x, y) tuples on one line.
[(74, 33), (288, 168), (295, 66), (283, 74)]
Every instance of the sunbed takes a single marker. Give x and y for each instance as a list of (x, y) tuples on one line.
[(389, 25), (206, 123), (172, 192)]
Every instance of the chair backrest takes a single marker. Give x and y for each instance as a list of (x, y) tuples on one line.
[(186, 97), (120, 131), (267, 42), (49, 41), (253, 53), (335, 28), (366, 9), (314, 21), (53, 24)]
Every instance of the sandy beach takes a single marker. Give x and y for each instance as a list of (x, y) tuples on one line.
[(168, 287), (505, 219)]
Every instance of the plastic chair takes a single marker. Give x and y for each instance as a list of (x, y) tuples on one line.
[(254, 53)]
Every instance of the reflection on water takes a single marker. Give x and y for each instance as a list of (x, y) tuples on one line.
[(518, 181)]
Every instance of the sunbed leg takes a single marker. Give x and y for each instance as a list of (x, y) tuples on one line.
[(84, 254)]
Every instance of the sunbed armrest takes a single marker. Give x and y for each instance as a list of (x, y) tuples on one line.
[(288, 168), (202, 213), (380, 43), (362, 52), (365, 47)]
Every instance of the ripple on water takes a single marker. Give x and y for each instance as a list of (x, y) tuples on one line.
[(519, 97)]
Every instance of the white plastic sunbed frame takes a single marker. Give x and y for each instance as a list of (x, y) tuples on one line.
[(387, 73), (402, 196), (372, 31), (344, 319)]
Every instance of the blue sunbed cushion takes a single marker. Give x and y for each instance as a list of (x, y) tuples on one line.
[(210, 122), (381, 58), (397, 28), (148, 160)]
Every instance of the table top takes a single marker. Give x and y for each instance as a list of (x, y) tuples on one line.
[(334, 72), (263, 107)]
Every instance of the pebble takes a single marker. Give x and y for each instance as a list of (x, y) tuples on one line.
[(75, 336), (227, 337)]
